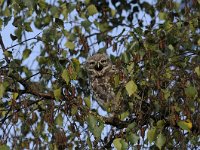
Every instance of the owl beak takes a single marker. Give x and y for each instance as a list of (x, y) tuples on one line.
[(98, 67)]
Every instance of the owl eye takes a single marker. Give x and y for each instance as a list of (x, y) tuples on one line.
[(104, 61), (92, 63)]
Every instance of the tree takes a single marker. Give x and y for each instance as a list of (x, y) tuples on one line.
[(47, 104)]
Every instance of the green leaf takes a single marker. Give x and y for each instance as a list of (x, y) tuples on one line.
[(70, 45), (98, 130), (26, 53), (65, 76), (120, 144), (166, 93), (7, 54), (117, 143), (130, 68), (162, 16), (190, 91), (132, 138), (160, 141), (27, 27), (124, 144), (113, 12), (91, 122), (124, 115), (14, 95), (57, 93), (95, 126), (151, 135), (185, 125), (130, 127), (76, 64), (131, 87), (89, 143), (86, 24), (171, 47), (92, 9), (74, 110), (1, 22), (160, 123), (87, 101), (2, 90), (4, 147), (197, 71), (59, 120)]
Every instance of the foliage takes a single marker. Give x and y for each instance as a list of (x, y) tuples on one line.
[(47, 105)]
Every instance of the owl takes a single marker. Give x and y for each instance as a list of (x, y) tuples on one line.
[(102, 73)]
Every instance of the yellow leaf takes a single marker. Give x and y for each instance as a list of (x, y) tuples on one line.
[(185, 125), (131, 87)]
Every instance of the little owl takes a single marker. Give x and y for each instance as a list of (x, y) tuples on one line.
[(102, 74)]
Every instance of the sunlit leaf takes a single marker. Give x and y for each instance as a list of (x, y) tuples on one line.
[(113, 12), (120, 144), (197, 70), (185, 125), (92, 9), (160, 141), (57, 93), (65, 76), (70, 45), (131, 87), (124, 115), (151, 134), (15, 95), (117, 143)]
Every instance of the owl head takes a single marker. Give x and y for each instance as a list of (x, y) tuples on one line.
[(98, 64)]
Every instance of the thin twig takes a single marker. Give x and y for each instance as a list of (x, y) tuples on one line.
[(33, 38)]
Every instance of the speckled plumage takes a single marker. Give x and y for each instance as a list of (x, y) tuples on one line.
[(101, 74)]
